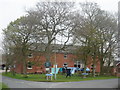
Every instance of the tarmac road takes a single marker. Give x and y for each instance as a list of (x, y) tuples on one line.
[(15, 83)]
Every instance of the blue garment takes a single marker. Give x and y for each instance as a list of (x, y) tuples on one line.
[(60, 70), (53, 70), (87, 69), (73, 70), (49, 74)]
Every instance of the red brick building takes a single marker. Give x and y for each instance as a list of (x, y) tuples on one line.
[(116, 69), (38, 62)]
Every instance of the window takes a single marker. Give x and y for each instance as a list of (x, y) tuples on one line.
[(30, 55), (29, 65), (65, 56), (65, 65), (77, 64)]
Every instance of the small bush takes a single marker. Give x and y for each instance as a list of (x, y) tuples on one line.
[(25, 76)]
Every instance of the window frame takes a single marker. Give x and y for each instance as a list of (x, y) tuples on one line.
[(30, 55), (28, 66), (65, 56)]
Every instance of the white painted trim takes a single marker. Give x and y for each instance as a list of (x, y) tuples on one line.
[(117, 63), (29, 68)]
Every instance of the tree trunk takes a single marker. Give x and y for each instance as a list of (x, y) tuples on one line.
[(94, 58), (108, 67), (94, 64), (6, 69), (101, 60), (101, 66), (109, 60), (24, 67), (13, 71), (24, 56), (84, 76), (48, 54), (93, 70)]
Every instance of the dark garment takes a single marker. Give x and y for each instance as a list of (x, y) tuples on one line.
[(82, 69), (68, 72), (3, 66), (64, 70)]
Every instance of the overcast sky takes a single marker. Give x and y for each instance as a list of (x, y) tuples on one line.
[(13, 9)]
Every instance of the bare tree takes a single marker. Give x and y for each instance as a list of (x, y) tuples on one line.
[(53, 21), (97, 27), (19, 34)]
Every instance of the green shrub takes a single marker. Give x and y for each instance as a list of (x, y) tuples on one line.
[(25, 76)]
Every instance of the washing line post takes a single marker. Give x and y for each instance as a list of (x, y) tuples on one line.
[(55, 67)]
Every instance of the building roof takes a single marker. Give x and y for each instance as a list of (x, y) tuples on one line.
[(116, 63), (59, 48)]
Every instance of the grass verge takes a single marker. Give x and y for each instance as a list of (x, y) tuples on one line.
[(60, 77), (3, 86)]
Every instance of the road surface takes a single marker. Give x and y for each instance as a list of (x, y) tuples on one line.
[(15, 83)]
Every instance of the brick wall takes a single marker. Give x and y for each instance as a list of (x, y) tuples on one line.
[(39, 62)]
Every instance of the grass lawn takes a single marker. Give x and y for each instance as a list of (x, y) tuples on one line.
[(60, 77), (2, 85)]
